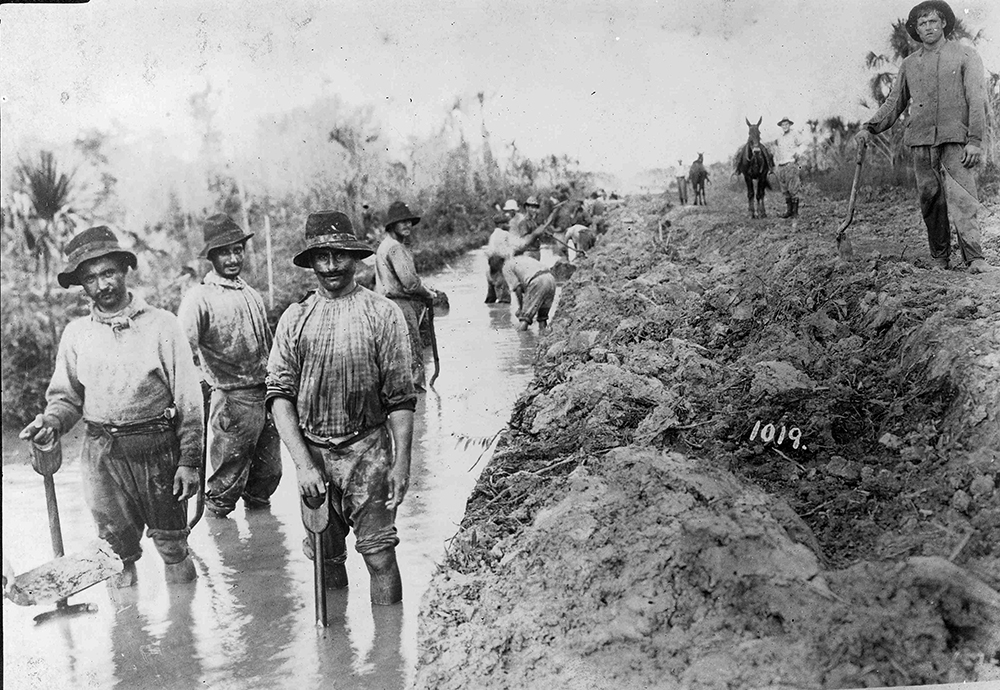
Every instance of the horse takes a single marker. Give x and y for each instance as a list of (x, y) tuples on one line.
[(699, 176), (754, 162)]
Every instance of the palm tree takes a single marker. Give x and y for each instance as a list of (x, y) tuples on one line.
[(51, 218)]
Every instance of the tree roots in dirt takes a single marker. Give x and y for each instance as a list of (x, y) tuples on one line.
[(741, 463)]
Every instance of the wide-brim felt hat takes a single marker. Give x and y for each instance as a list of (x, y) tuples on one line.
[(398, 212), (92, 243), (939, 5), (221, 231), (532, 201), (785, 119), (330, 230)]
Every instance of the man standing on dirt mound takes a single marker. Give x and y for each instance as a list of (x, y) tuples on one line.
[(226, 324), (126, 368), (786, 149), (944, 81), (341, 392), (396, 278)]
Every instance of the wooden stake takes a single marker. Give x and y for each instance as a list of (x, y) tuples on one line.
[(270, 262)]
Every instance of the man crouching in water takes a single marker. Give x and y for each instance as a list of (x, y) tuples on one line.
[(340, 388)]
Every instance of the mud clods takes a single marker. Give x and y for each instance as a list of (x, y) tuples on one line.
[(741, 463)]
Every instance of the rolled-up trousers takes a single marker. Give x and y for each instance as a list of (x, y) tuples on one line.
[(948, 195)]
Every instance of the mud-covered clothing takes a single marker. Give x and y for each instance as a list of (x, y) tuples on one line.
[(395, 272), (128, 478), (535, 284), (945, 89), (946, 94), (358, 486), (520, 227), (396, 278), (789, 178), (496, 288), (128, 367), (226, 324), (244, 448), (948, 194), (343, 361)]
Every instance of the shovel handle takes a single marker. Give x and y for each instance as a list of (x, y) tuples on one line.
[(55, 527), (854, 190)]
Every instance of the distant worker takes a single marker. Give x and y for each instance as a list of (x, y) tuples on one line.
[(341, 391), (226, 324), (580, 238), (496, 285), (945, 81), (531, 282), (682, 185), (396, 278), (698, 175), (127, 370), (786, 150), (523, 224)]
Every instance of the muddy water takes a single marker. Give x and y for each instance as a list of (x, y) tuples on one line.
[(248, 621)]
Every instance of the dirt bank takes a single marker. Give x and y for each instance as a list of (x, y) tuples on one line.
[(633, 529)]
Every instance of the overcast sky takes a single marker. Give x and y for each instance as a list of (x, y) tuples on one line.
[(620, 85)]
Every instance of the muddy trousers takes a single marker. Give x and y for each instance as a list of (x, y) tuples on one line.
[(244, 450), (948, 195), (412, 310), (496, 288), (539, 293), (128, 482), (358, 485)]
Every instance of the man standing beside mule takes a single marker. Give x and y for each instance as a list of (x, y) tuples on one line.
[(786, 159), (127, 370), (396, 278), (943, 84), (340, 388), (226, 324)]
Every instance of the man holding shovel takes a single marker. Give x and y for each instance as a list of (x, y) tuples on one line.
[(943, 84), (127, 370), (341, 391), (226, 324)]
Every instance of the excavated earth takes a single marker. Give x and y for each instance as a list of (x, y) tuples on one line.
[(632, 530)]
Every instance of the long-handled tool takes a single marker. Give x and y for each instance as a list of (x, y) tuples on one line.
[(66, 575), (434, 344), (316, 517), (843, 241)]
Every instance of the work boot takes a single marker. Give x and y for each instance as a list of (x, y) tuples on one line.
[(980, 266), (795, 207), (335, 575), (179, 573), (789, 212)]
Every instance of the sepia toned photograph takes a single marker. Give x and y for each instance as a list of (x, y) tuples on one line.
[(500, 344)]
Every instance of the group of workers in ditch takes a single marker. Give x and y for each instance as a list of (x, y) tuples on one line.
[(337, 382)]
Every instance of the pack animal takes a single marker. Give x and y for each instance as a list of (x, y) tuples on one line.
[(698, 176), (754, 162)]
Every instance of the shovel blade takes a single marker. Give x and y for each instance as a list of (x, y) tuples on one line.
[(65, 576)]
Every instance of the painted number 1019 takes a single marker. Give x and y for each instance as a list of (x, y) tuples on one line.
[(768, 431)]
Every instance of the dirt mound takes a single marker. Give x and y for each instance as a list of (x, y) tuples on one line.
[(742, 463)]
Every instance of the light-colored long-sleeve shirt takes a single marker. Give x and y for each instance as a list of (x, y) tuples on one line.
[(226, 325), (786, 147), (343, 361), (945, 90), (518, 270), (125, 368), (395, 273)]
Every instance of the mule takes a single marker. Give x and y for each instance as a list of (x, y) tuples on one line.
[(754, 162), (699, 176)]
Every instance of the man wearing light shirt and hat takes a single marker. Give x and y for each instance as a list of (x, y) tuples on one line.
[(226, 324), (786, 149), (127, 370), (943, 85)]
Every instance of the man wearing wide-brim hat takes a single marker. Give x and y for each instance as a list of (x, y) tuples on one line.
[(396, 278), (943, 85), (786, 150), (226, 324), (341, 392), (127, 370)]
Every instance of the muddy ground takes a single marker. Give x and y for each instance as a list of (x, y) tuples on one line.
[(632, 529)]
